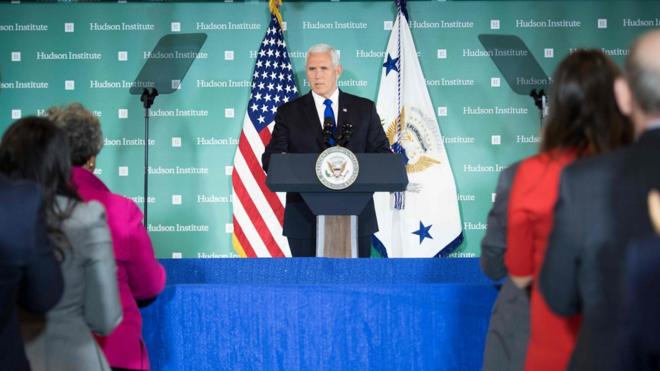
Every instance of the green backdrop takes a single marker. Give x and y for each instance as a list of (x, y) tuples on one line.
[(60, 53)]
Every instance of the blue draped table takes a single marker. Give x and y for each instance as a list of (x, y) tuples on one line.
[(319, 314)]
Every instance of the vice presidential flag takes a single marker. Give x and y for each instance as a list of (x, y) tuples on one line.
[(425, 220), (258, 213)]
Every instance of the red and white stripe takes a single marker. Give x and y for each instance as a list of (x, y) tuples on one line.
[(258, 212)]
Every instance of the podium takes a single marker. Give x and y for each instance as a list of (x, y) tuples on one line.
[(336, 210)]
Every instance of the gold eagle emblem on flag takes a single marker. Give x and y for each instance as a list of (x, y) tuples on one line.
[(413, 138)]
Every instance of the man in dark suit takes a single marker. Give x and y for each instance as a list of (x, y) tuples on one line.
[(508, 330), (601, 207), (299, 129), (29, 273), (641, 349)]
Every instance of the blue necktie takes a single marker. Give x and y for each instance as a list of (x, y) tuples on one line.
[(329, 114)]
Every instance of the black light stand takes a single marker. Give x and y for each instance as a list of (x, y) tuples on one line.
[(147, 99), (161, 76), (541, 102)]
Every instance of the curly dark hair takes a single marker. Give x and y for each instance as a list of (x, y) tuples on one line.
[(583, 111), (82, 128)]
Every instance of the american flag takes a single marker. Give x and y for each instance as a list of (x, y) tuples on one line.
[(258, 212)]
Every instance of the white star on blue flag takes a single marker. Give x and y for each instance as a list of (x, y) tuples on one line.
[(272, 82)]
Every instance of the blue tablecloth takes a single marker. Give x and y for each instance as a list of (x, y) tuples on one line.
[(320, 314)]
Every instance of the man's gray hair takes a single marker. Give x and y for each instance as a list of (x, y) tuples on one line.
[(324, 48), (82, 128), (644, 82)]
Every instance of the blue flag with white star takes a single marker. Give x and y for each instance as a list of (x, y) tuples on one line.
[(425, 220)]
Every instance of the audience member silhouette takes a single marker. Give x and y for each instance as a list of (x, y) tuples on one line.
[(29, 272), (601, 207), (641, 348), (139, 275), (508, 329), (34, 149), (583, 121)]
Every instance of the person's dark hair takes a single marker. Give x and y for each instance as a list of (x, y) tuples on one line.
[(644, 81), (33, 148), (82, 129), (583, 111)]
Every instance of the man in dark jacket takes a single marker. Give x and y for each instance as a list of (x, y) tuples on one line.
[(299, 129), (508, 330), (29, 273)]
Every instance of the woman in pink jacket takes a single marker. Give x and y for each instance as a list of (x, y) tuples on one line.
[(140, 276)]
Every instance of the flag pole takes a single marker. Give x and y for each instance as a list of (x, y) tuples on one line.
[(257, 211), (274, 6), (399, 197)]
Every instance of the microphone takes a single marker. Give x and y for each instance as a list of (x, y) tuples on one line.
[(538, 97), (541, 102), (328, 136), (346, 133)]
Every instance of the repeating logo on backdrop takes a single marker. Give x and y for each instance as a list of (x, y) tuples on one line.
[(337, 168), (416, 141)]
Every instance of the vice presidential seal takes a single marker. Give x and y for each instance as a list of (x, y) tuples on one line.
[(337, 168)]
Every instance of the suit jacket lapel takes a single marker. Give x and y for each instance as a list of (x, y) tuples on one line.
[(312, 118), (342, 110)]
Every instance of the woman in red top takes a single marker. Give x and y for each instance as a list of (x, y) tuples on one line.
[(584, 120)]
